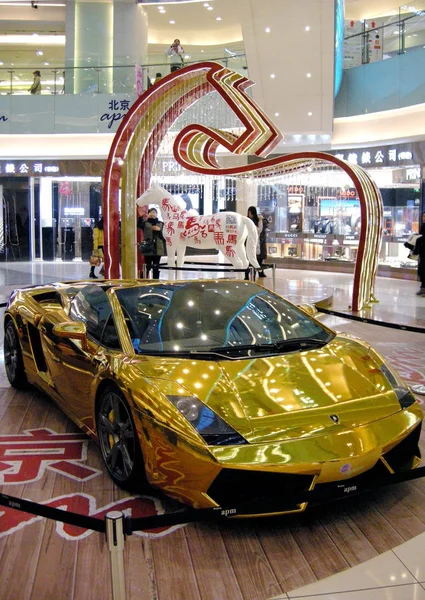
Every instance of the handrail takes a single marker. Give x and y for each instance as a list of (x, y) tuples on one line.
[(92, 78), (131, 65), (372, 29), (404, 22)]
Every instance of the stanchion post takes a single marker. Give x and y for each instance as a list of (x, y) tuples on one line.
[(115, 538), (274, 276), (144, 270), (251, 273), (419, 389)]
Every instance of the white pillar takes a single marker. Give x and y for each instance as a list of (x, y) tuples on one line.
[(130, 43), (103, 42)]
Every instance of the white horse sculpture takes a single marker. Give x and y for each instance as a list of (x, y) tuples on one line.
[(225, 231)]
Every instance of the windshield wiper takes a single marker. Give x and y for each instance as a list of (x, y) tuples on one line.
[(301, 343), (182, 353), (231, 352)]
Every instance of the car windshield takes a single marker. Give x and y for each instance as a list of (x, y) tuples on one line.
[(221, 317)]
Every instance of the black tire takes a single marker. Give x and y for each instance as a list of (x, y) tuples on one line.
[(119, 444), (13, 360)]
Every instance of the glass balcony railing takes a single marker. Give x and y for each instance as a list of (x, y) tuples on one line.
[(385, 36), (102, 79)]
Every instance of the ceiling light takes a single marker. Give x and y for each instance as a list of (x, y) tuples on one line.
[(206, 4), (218, 19), (45, 40), (307, 28), (267, 29), (210, 8), (310, 114), (308, 74), (272, 76), (163, 11), (276, 114), (172, 22), (46, 64), (39, 52)]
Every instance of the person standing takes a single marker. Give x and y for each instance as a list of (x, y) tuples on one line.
[(36, 84), (419, 249), (175, 52), (152, 233), (98, 240), (258, 222)]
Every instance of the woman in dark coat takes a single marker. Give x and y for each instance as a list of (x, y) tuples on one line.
[(420, 250), (152, 230)]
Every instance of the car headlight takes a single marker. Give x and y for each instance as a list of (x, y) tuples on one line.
[(210, 426), (404, 395)]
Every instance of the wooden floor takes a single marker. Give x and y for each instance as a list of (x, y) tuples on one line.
[(234, 560)]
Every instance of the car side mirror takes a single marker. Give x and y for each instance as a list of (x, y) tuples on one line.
[(72, 331), (310, 309)]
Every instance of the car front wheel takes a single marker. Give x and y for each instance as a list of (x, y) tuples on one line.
[(118, 440), (13, 360)]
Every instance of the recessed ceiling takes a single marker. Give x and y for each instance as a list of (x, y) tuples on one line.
[(195, 24)]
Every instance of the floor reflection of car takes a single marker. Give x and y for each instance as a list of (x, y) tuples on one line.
[(216, 392)]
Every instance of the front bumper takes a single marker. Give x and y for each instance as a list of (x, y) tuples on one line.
[(217, 476)]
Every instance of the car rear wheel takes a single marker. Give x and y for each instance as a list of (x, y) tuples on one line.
[(118, 441), (13, 360)]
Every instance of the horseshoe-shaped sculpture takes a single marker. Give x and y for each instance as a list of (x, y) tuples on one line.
[(141, 132)]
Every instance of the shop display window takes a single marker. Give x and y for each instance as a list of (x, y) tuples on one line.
[(311, 225)]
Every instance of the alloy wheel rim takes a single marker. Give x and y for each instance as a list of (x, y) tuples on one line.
[(116, 436), (10, 354)]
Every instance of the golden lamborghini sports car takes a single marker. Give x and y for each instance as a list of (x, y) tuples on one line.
[(214, 391)]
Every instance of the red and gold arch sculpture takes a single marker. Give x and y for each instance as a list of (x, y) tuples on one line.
[(137, 141)]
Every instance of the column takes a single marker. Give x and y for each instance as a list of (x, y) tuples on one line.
[(104, 40)]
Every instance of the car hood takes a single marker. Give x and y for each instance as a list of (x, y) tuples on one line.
[(287, 396)]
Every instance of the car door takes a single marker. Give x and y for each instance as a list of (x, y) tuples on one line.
[(74, 366)]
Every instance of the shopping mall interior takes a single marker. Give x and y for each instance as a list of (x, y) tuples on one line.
[(338, 87)]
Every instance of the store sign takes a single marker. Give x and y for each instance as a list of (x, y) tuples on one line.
[(27, 168), (385, 156), (295, 189), (71, 211), (117, 109), (413, 174), (351, 193), (170, 166)]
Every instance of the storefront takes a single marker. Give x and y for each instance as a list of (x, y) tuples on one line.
[(48, 208), (315, 216)]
